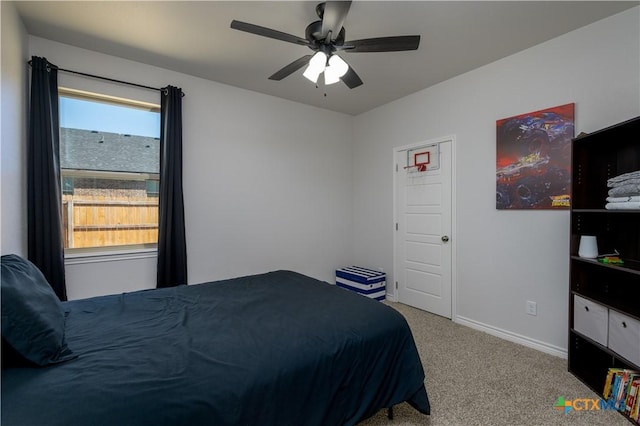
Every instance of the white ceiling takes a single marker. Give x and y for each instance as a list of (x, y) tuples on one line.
[(195, 38)]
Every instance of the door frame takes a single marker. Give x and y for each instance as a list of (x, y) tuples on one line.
[(454, 233)]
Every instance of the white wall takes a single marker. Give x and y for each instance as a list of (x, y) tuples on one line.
[(267, 182), (13, 135), (504, 257)]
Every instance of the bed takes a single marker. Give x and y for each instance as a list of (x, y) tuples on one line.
[(278, 348)]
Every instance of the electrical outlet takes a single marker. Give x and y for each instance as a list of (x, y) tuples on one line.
[(532, 308)]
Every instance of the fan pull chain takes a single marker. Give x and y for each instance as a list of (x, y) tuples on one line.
[(317, 87)]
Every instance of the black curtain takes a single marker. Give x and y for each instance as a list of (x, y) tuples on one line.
[(172, 246), (44, 204)]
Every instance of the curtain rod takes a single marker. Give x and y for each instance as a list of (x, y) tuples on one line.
[(107, 78)]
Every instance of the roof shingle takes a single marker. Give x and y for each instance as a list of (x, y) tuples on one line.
[(112, 152)]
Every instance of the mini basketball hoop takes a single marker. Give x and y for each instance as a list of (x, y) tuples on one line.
[(422, 159)]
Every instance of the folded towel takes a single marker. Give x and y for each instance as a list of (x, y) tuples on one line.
[(621, 178), (629, 205), (623, 199), (631, 181), (625, 190)]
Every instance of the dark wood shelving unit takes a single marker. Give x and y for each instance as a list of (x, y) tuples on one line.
[(596, 158)]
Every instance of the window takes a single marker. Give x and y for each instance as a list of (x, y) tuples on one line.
[(153, 188), (67, 185), (109, 160)]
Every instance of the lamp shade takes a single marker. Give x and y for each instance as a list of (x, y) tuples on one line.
[(336, 69), (317, 64), (588, 247)]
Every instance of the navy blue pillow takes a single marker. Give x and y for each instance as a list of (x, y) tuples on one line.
[(32, 315)]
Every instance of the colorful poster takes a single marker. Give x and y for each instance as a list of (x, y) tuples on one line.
[(533, 161)]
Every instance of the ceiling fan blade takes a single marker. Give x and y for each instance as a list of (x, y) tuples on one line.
[(351, 79), (333, 18), (267, 32), (382, 44), (291, 68)]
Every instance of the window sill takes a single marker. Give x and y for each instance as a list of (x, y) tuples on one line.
[(109, 256)]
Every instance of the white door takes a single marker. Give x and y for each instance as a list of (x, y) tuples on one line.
[(423, 254)]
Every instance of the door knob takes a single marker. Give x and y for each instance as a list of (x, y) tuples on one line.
[(445, 238)]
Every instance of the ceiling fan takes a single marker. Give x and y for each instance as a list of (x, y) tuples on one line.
[(327, 37)]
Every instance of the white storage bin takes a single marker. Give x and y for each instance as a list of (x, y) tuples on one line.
[(624, 336), (590, 319)]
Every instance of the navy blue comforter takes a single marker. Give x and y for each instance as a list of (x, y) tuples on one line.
[(272, 349)]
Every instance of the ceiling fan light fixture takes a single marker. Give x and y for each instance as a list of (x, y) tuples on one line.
[(330, 77), (311, 75), (325, 37), (336, 69), (317, 65)]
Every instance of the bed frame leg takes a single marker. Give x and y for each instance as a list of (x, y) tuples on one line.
[(390, 413)]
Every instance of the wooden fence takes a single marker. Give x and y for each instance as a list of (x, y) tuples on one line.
[(93, 223)]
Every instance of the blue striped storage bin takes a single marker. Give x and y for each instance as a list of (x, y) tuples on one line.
[(364, 281)]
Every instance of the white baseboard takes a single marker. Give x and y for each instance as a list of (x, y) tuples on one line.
[(513, 337)]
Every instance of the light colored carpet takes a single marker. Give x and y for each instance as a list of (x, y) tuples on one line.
[(473, 378)]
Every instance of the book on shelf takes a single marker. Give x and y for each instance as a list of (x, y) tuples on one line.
[(622, 391), (634, 411), (632, 396), (609, 382)]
